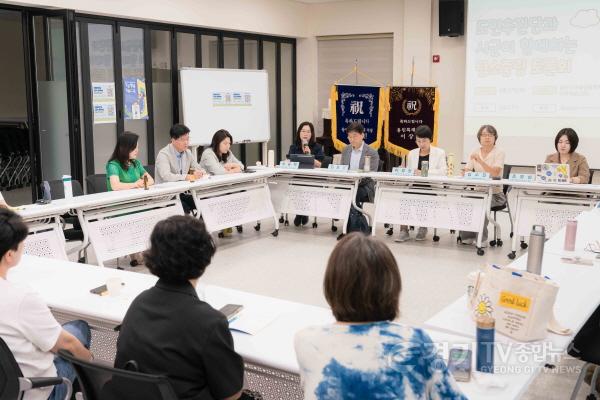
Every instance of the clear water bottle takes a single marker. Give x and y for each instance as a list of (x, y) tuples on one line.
[(46, 192), (367, 164), (536, 249), (67, 186)]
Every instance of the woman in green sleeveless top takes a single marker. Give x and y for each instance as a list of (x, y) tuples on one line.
[(124, 171)]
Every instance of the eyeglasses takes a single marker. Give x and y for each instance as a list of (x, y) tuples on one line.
[(593, 247), (487, 135)]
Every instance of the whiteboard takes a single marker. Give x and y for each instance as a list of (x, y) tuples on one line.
[(233, 99)]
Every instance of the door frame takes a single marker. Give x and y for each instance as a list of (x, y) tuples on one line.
[(32, 100)]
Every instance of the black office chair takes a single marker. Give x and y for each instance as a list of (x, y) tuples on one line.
[(497, 241), (13, 384), (57, 191), (96, 183), (102, 382), (326, 161), (586, 347), (150, 169)]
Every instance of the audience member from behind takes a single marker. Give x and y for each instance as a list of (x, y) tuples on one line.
[(218, 158), (565, 143), (168, 330), (365, 355), (123, 170), (26, 323)]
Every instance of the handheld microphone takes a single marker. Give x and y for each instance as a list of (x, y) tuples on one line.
[(305, 147)]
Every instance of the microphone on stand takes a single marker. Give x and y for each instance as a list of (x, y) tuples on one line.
[(305, 148)]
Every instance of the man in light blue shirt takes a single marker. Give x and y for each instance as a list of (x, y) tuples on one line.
[(354, 155), (175, 162)]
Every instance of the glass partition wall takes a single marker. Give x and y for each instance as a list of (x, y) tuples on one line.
[(80, 80)]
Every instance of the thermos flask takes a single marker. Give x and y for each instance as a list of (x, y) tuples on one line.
[(570, 235), (485, 344), (536, 249)]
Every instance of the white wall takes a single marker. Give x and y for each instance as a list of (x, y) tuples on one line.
[(275, 17), (343, 18), (413, 23), (449, 76)]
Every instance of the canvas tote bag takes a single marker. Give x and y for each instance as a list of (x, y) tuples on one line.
[(521, 303)]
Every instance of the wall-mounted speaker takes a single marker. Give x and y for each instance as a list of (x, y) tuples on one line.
[(452, 17)]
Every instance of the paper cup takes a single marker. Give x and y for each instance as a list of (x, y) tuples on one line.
[(114, 286)]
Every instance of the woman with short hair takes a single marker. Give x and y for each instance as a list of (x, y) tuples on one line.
[(435, 157), (565, 143), (365, 354), (168, 330), (487, 158)]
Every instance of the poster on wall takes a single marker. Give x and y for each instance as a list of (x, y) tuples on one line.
[(229, 99), (134, 97), (364, 104), (103, 102), (410, 107)]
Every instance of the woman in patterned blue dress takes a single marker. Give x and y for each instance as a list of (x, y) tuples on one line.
[(365, 355)]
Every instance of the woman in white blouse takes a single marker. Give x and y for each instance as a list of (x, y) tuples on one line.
[(436, 158), (218, 159), (487, 158)]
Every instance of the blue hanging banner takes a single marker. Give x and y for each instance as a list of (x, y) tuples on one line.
[(357, 104)]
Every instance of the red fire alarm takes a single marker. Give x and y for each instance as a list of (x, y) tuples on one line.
[(436, 58)]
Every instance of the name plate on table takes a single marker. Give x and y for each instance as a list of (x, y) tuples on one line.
[(338, 167), (403, 171), (521, 177), (482, 176), (289, 164)]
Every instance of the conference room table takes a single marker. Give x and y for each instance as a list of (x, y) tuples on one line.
[(119, 223), (548, 204), (578, 297), (588, 231), (263, 333), (316, 193), (46, 237), (454, 203)]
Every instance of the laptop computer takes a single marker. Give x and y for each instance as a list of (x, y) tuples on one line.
[(552, 173), (307, 161)]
